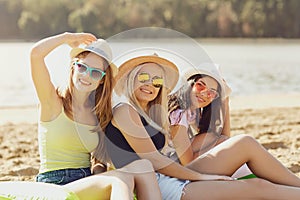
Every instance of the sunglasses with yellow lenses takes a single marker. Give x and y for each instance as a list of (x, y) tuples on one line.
[(145, 77)]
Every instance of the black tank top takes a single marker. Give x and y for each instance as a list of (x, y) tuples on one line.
[(120, 151)]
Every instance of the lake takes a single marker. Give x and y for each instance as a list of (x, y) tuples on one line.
[(249, 66)]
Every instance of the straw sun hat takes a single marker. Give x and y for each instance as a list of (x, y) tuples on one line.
[(170, 69), (99, 47)]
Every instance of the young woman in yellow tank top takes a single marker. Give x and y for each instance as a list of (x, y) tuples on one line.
[(71, 122)]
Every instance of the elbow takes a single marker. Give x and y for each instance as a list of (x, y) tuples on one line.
[(35, 52)]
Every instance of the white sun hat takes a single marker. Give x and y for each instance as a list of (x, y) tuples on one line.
[(210, 69), (99, 47)]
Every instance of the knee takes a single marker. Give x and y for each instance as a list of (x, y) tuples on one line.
[(146, 165), (142, 166), (100, 182), (246, 139)]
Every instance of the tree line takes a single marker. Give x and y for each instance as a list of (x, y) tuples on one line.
[(35, 19)]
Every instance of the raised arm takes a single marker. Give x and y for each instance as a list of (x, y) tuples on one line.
[(129, 123), (40, 75)]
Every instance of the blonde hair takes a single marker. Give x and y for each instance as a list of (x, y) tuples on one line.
[(157, 116), (101, 97)]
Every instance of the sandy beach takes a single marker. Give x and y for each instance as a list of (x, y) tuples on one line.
[(273, 120)]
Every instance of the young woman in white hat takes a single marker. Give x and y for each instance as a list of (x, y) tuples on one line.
[(199, 114), (71, 123), (139, 129), (200, 105)]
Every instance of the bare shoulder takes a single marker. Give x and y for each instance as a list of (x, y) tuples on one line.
[(127, 118), (124, 110)]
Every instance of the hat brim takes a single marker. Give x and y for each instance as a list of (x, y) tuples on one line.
[(193, 71), (225, 89), (171, 71), (76, 51)]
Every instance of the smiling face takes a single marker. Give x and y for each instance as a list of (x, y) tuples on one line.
[(203, 92), (146, 83), (83, 81)]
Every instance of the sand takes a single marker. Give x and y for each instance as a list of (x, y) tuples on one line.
[(273, 120)]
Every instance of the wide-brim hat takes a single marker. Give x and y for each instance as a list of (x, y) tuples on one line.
[(99, 47), (171, 71), (210, 69)]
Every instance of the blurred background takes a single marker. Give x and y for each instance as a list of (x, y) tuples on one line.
[(255, 42), (34, 19)]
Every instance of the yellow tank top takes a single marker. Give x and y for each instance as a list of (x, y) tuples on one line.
[(64, 143)]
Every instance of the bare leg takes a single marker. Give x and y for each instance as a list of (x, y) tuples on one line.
[(228, 156), (144, 178), (250, 189), (106, 187), (120, 183), (113, 185)]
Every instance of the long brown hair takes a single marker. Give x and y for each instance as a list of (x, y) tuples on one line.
[(209, 118), (101, 96)]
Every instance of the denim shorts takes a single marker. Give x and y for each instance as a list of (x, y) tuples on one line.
[(63, 176), (171, 188)]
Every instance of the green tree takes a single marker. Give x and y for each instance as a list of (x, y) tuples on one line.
[(290, 19), (44, 17), (9, 15), (197, 18), (253, 18)]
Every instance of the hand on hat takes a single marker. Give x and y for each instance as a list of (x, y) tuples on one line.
[(75, 39)]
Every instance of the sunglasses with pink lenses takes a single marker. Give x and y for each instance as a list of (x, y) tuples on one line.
[(203, 89)]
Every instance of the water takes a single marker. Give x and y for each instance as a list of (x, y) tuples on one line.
[(259, 67), (249, 66)]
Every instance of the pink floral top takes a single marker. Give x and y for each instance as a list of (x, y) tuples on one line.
[(182, 117)]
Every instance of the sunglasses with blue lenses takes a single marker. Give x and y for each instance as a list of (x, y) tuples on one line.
[(82, 68)]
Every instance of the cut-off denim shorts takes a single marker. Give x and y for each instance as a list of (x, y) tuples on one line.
[(171, 188), (63, 176)]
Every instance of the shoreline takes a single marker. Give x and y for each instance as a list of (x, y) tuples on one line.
[(29, 113), (264, 101), (19, 114)]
